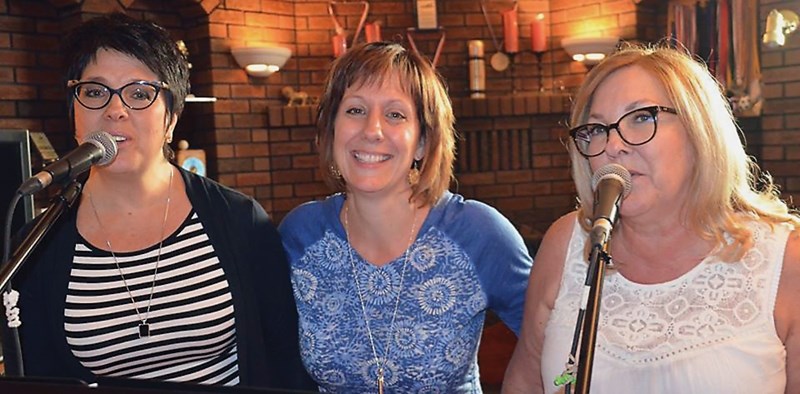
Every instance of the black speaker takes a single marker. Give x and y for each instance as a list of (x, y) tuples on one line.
[(15, 162)]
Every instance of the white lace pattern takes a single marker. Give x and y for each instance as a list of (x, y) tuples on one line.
[(710, 304)]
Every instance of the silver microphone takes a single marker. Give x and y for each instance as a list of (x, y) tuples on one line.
[(611, 183), (98, 148)]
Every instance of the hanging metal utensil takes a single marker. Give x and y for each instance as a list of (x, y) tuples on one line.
[(339, 40), (499, 60), (439, 46)]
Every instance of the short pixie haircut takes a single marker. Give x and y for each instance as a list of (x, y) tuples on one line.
[(145, 41), (369, 64)]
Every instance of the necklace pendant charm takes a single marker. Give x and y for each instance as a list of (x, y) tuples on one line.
[(380, 381), (144, 330)]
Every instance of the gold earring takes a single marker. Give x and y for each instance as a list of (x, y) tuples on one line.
[(334, 171), (413, 174)]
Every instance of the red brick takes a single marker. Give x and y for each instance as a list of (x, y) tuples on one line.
[(18, 92), (232, 106), (250, 150), (246, 91), (243, 5), (291, 148), (20, 123), (234, 165), (227, 16), (310, 189), (293, 176), (486, 178), (515, 204), (305, 161), (252, 178), (17, 58), (495, 191), (514, 176), (16, 24)]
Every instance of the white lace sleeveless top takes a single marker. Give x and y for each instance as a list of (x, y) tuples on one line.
[(709, 331)]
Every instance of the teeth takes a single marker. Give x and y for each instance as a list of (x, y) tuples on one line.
[(370, 157), (119, 138)]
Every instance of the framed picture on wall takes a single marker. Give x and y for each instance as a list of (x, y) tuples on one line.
[(425, 10)]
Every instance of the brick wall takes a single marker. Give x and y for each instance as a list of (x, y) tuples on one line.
[(778, 145), (510, 150), (256, 145), (30, 97)]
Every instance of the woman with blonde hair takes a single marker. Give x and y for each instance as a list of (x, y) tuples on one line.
[(706, 256)]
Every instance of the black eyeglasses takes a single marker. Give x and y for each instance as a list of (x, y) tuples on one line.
[(136, 95), (637, 127)]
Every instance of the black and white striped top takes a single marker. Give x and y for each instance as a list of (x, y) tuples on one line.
[(192, 332)]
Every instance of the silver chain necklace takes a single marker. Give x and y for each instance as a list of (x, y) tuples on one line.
[(379, 364), (144, 326)]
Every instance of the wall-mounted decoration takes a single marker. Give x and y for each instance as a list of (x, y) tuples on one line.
[(261, 60), (425, 11), (372, 31), (539, 46), (192, 160), (499, 60), (725, 34), (589, 50), (339, 40), (779, 25), (442, 36), (296, 97), (477, 69), (511, 30)]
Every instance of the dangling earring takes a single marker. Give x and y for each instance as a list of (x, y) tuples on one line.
[(413, 174), (334, 171)]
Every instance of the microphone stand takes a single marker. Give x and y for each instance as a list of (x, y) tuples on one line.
[(595, 274), (58, 205), (588, 315)]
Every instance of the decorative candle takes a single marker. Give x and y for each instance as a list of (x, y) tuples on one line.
[(339, 43), (510, 31), (372, 31), (538, 35), (477, 69)]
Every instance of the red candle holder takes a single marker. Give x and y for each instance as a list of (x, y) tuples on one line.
[(540, 69)]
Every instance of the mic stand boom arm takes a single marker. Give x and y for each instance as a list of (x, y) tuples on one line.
[(57, 207)]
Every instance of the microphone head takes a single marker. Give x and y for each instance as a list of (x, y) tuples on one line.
[(106, 142), (613, 171)]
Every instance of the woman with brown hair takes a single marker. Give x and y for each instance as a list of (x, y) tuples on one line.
[(393, 276)]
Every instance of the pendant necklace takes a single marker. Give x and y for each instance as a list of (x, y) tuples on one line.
[(379, 364), (144, 326)]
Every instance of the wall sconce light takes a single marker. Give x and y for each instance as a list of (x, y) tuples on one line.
[(779, 25), (261, 61), (589, 50)]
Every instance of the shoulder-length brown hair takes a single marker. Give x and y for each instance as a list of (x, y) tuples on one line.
[(371, 63), (724, 179)]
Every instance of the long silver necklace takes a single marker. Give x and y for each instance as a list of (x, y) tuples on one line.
[(379, 364), (144, 326)]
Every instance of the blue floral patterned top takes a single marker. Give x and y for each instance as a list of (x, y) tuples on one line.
[(466, 258)]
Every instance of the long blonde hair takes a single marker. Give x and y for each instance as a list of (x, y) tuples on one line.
[(724, 179)]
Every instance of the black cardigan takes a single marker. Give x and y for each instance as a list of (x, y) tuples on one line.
[(251, 255)]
